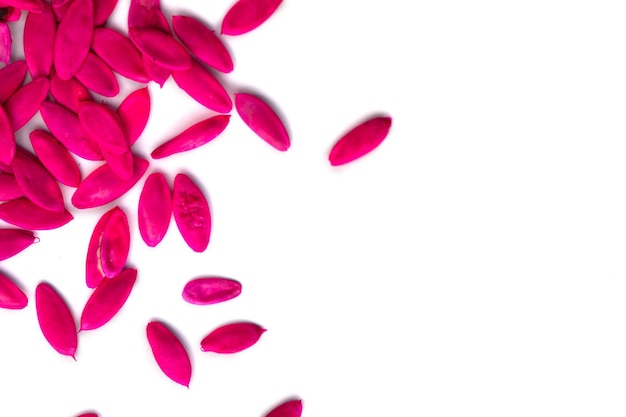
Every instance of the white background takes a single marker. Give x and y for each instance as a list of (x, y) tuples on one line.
[(472, 265)]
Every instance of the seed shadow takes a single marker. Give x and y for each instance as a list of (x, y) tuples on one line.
[(270, 102)]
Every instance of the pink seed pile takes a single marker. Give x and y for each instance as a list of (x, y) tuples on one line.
[(70, 53)]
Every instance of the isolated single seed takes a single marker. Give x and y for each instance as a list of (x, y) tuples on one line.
[(13, 241), (96, 75), (120, 54), (107, 299), (12, 77), (102, 9), (115, 244), (93, 265), (211, 290), (155, 209), (169, 353), (7, 138), (193, 137), (56, 158), (263, 121), (203, 87), (246, 15), (202, 42), (161, 47), (23, 213), (55, 320), (11, 296), (39, 33), (24, 103), (360, 141), (9, 188), (232, 338), (70, 93), (291, 408), (134, 112), (73, 39), (191, 213), (37, 183)]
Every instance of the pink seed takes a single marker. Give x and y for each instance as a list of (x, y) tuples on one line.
[(23, 213), (74, 36), (59, 8), (39, 32), (55, 157), (34, 6), (5, 43), (203, 87), (121, 163), (12, 77), (88, 415), (191, 213), (9, 188), (103, 186), (134, 112), (66, 127), (11, 296), (211, 290), (169, 353), (232, 338), (70, 93), (107, 299), (7, 138), (102, 11), (202, 42), (155, 209), (55, 320), (359, 141), (93, 266), (262, 120), (246, 15), (13, 241), (103, 126), (24, 103), (193, 137), (156, 72), (96, 75), (161, 47), (292, 408), (36, 182), (115, 244), (120, 54)]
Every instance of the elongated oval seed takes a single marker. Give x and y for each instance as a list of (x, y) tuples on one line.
[(102, 9), (55, 320), (155, 209), (9, 188), (291, 408), (169, 353), (96, 75), (134, 112), (23, 213), (263, 121), (12, 77), (193, 137), (103, 186), (115, 244), (211, 290), (202, 42), (232, 338), (360, 141), (203, 87), (73, 39), (56, 158), (13, 241), (191, 213), (246, 15), (39, 33), (161, 47), (7, 138), (93, 266), (24, 103), (107, 299), (11, 296), (120, 54), (70, 93), (37, 183)]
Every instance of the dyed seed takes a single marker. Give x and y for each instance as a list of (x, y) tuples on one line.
[(193, 137), (202, 42), (9, 188), (34, 6), (161, 47), (102, 9), (36, 182), (191, 213), (11, 296), (96, 75), (7, 138), (360, 141), (203, 87), (23, 213), (134, 112), (157, 73), (291, 408), (121, 163), (73, 39), (59, 8), (143, 13), (169, 353), (12, 77), (263, 121), (93, 266), (24, 103), (232, 338), (5, 43), (55, 320), (103, 126), (70, 93), (211, 290), (13, 241), (55, 157), (246, 15), (155, 209), (103, 186), (39, 32), (107, 299), (120, 54), (115, 244), (88, 415)]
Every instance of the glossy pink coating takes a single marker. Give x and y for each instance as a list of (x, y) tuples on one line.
[(120, 54), (103, 126), (11, 296), (202, 42), (25, 214), (121, 163), (211, 290), (97, 76), (36, 181), (134, 112), (93, 266), (102, 9), (203, 87), (246, 15), (191, 213), (55, 320), (24, 103), (12, 77), (6, 43), (9, 188), (73, 39), (169, 353), (360, 141), (193, 137), (103, 186), (155, 209), (115, 244), (291, 408), (232, 338), (59, 8), (161, 47), (107, 299), (13, 241), (7, 139), (70, 93), (263, 121), (39, 33), (55, 157)]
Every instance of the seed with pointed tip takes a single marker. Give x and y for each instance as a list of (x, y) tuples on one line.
[(73, 39), (7, 138), (39, 33), (93, 265), (120, 54), (191, 213), (134, 112), (55, 157), (36, 181), (9, 188), (360, 141), (24, 103), (211, 290), (115, 244), (102, 9), (232, 338), (13, 241), (263, 121), (291, 408), (203, 87), (96, 75), (155, 209), (107, 299), (202, 42), (12, 77), (193, 137), (169, 353), (55, 320), (161, 47), (23, 213), (11, 296), (246, 15), (70, 93)]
